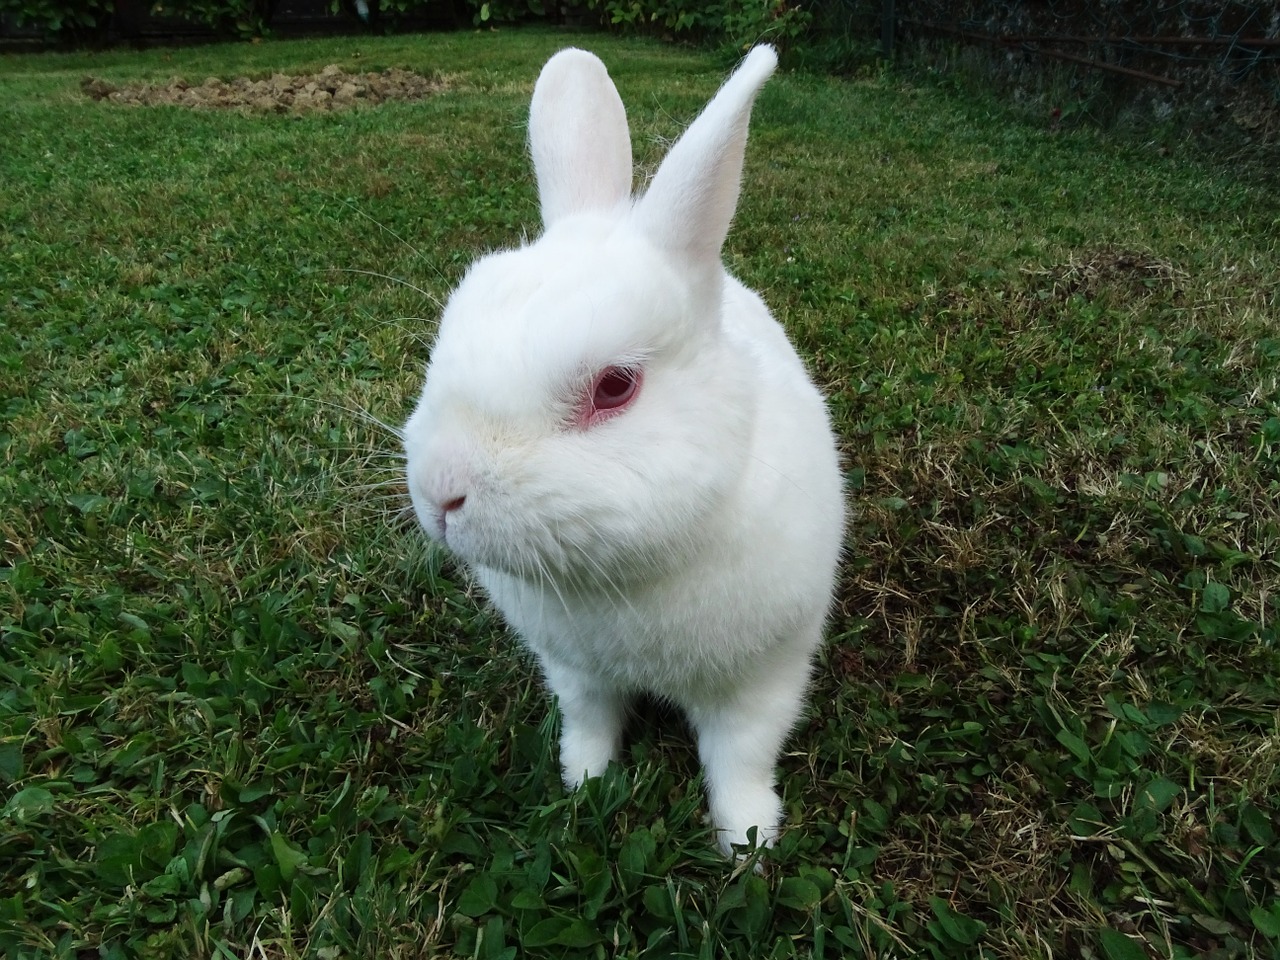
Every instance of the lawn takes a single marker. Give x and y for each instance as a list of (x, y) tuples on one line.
[(245, 712)]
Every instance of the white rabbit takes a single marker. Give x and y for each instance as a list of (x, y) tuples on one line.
[(621, 444)]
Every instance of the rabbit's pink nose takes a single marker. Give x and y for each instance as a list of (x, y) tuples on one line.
[(446, 508)]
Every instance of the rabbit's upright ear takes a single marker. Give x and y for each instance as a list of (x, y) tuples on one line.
[(578, 137), (690, 203)]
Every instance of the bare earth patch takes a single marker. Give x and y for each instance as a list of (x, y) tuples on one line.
[(330, 89)]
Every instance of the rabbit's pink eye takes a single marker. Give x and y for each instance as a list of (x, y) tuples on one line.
[(610, 393), (614, 388)]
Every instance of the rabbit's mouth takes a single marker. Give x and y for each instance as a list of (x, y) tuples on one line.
[(581, 560)]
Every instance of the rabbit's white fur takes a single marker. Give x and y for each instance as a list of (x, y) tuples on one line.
[(686, 546)]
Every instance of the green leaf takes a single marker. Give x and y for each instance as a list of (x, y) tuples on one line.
[(957, 927), (267, 879), (1258, 825), (1267, 921), (161, 911), (118, 858), (823, 880), (747, 902), (10, 762), (1161, 714), (526, 900), (1109, 789), (156, 841), (1157, 795), (1215, 925), (480, 896), (495, 941), (109, 654), (242, 903), (545, 933), (1116, 946), (578, 934), (657, 901), (347, 632), (28, 804), (798, 894), (288, 856), (88, 503), (1215, 598), (165, 885), (1077, 746), (254, 791), (636, 853), (756, 900)]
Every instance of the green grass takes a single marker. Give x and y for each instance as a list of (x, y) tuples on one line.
[(244, 713)]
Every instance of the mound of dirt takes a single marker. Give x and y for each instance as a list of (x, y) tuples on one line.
[(330, 89), (1136, 275)]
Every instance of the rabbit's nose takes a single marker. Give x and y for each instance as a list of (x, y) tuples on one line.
[(452, 505)]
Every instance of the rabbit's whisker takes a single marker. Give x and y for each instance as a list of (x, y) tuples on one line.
[(382, 226), (427, 295)]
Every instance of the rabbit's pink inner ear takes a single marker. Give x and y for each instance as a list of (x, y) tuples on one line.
[(690, 203), (578, 137)]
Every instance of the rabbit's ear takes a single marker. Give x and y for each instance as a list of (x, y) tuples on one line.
[(578, 137), (691, 200)]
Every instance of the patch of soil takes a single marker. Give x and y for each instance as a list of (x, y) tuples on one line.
[(1092, 273), (330, 89)]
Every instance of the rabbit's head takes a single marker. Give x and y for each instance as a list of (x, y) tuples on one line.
[(585, 408)]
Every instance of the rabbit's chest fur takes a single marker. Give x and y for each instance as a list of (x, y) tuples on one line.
[(674, 637)]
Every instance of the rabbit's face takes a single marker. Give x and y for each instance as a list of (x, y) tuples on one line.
[(581, 413)]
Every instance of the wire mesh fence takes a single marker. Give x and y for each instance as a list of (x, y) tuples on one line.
[(1167, 66), (1211, 66)]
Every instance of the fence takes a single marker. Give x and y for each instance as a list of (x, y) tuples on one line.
[(1211, 64), (176, 21)]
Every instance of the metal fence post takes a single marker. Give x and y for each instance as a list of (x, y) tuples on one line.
[(886, 29)]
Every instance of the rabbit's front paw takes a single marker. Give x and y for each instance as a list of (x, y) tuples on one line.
[(586, 752), (591, 715), (750, 807)]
